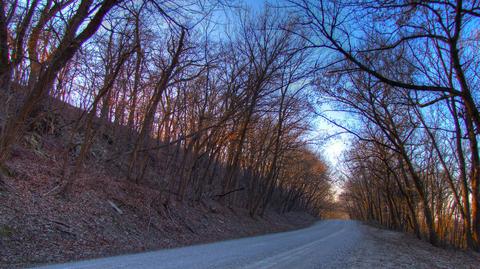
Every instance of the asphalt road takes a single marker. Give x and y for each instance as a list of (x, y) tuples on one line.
[(324, 245)]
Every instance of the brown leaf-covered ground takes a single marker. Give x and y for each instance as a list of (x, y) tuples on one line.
[(381, 248), (105, 215)]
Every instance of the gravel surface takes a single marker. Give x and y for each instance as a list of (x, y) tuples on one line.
[(382, 248), (327, 244)]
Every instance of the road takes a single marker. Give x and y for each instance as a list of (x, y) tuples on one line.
[(324, 245)]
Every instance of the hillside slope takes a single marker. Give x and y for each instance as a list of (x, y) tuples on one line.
[(103, 213)]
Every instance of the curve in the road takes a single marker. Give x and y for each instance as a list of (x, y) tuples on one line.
[(325, 244)]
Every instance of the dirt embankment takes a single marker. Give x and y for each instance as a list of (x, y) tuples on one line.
[(106, 215)]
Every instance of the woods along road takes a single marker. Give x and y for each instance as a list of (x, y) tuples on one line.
[(326, 244)]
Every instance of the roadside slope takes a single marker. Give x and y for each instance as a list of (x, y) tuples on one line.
[(104, 213), (382, 248), (107, 215)]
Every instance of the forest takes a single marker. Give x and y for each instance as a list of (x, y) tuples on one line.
[(199, 116), (169, 93)]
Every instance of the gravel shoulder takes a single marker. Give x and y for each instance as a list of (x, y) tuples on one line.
[(381, 248)]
